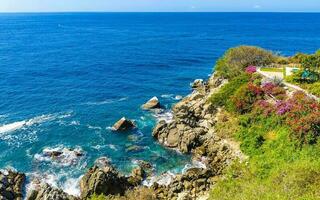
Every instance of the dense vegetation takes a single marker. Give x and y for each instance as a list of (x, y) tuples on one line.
[(310, 63), (141, 193), (235, 60), (278, 131)]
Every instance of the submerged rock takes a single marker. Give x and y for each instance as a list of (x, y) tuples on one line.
[(47, 192), (134, 148), (151, 104), (123, 125), (106, 180), (11, 184), (60, 155)]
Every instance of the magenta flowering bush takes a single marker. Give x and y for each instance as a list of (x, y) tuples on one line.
[(282, 107), (274, 90), (263, 107), (268, 87), (251, 69)]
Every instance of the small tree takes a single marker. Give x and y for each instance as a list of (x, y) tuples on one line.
[(235, 60), (312, 62)]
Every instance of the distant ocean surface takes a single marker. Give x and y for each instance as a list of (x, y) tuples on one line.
[(66, 78)]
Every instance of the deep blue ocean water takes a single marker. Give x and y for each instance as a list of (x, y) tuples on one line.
[(66, 78)]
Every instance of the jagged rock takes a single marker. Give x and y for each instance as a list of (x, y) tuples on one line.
[(137, 175), (145, 166), (123, 125), (102, 162), (151, 104), (106, 180), (197, 83), (47, 192), (11, 185)]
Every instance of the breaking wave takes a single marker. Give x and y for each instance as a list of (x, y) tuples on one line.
[(7, 128), (60, 155), (108, 101)]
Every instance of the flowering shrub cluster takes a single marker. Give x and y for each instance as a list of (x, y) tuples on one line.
[(244, 99), (251, 69), (303, 117), (274, 90), (262, 107)]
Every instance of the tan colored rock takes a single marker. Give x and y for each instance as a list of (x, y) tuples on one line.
[(106, 180), (11, 185), (47, 192), (151, 104), (123, 125)]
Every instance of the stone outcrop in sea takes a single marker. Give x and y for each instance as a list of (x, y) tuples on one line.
[(107, 180), (153, 103), (123, 125)]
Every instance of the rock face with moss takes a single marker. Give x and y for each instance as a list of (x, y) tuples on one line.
[(11, 184)]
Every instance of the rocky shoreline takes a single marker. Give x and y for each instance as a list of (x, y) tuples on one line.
[(191, 131)]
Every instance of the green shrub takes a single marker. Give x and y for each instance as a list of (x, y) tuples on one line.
[(243, 99), (219, 98), (139, 193), (235, 60), (313, 88)]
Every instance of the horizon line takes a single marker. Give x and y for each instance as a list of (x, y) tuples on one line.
[(43, 12)]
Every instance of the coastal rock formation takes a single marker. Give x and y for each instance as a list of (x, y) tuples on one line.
[(192, 131), (103, 180), (193, 118), (123, 125), (151, 104), (47, 192), (11, 184)]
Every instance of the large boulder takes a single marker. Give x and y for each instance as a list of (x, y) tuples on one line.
[(103, 180), (153, 103), (11, 184), (123, 125), (47, 192)]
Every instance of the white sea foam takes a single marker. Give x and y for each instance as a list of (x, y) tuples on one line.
[(64, 156), (167, 96), (75, 123), (70, 186), (164, 179), (165, 115), (107, 101), (113, 147), (7, 128), (171, 96), (195, 164), (94, 127)]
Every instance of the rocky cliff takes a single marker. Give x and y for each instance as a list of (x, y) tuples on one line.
[(192, 130)]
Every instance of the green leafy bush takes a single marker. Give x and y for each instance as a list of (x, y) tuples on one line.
[(235, 60), (140, 193), (224, 93), (244, 98)]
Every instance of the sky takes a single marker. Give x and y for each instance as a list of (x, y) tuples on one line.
[(160, 5)]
